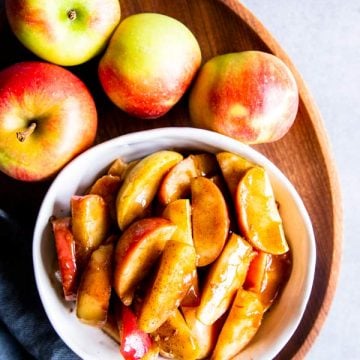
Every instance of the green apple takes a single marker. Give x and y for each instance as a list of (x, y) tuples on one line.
[(149, 63), (47, 116), (251, 96), (66, 32)]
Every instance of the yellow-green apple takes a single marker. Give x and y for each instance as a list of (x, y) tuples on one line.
[(47, 116), (67, 32), (251, 96), (136, 252), (149, 63)]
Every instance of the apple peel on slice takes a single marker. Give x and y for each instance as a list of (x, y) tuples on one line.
[(137, 251), (141, 184)]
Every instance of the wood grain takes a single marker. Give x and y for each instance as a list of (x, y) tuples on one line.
[(304, 154)]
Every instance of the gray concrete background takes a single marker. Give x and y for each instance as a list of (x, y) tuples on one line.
[(323, 40)]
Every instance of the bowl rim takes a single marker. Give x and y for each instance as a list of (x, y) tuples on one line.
[(207, 138)]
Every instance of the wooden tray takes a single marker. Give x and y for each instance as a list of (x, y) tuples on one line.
[(303, 154)]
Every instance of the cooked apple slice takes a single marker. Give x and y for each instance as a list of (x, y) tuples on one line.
[(176, 184), (136, 252), (95, 287), (111, 327), (233, 168), (240, 326), (176, 340), (255, 276), (179, 213), (210, 220), (141, 184), (225, 277), (257, 212), (204, 335), (172, 281), (107, 187), (90, 223), (276, 274), (192, 297), (65, 249), (134, 343)]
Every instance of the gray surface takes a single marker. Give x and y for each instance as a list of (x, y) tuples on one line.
[(323, 40)]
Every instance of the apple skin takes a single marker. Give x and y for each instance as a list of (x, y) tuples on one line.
[(149, 63), (65, 32), (251, 96), (61, 107)]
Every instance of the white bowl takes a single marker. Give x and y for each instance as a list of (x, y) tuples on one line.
[(91, 343)]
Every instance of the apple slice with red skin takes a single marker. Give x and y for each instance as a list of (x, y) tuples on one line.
[(90, 223), (257, 212), (240, 326), (226, 275), (176, 340), (134, 343), (141, 184), (172, 281), (210, 220), (176, 183), (65, 249), (136, 252), (94, 291)]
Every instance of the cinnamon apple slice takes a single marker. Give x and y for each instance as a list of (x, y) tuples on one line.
[(141, 184), (94, 291), (257, 212), (240, 326), (226, 275), (136, 252), (172, 281), (210, 220), (176, 184), (233, 168)]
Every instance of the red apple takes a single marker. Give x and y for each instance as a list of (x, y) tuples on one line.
[(149, 63), (66, 32), (47, 116), (251, 96)]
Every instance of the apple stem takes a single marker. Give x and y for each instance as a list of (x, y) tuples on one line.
[(71, 14), (23, 135)]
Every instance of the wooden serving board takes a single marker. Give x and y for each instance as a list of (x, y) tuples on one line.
[(303, 154)]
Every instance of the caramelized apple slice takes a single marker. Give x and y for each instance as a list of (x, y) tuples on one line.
[(136, 252), (176, 184), (65, 249), (179, 213), (172, 281), (107, 187), (240, 326), (233, 168), (90, 223), (176, 340), (210, 220), (225, 277), (192, 297), (95, 287), (134, 343), (257, 213), (141, 184), (204, 335)]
